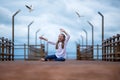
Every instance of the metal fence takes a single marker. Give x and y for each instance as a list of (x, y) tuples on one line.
[(6, 49), (108, 51), (31, 52), (111, 48), (92, 52), (22, 51)]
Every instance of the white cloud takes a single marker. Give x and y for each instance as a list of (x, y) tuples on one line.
[(49, 16), (5, 31), (5, 16)]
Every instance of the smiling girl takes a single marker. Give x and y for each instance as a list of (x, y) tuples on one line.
[(60, 46)]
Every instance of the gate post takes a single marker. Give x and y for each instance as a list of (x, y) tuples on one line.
[(2, 49)]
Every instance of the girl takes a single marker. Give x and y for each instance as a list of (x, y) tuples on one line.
[(60, 46)]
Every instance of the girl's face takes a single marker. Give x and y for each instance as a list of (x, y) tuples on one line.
[(61, 38)]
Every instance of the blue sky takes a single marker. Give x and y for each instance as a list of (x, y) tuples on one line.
[(51, 15)]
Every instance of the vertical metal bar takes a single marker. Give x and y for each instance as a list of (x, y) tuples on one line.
[(86, 37), (9, 52), (2, 48), (97, 52), (102, 29), (92, 37), (13, 32), (13, 37), (6, 48), (82, 40), (24, 51), (36, 37), (29, 35), (28, 38), (110, 49), (114, 48)]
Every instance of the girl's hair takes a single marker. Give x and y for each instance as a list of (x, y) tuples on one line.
[(62, 42)]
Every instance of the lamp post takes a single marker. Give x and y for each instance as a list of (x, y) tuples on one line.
[(36, 36), (86, 37), (102, 25), (82, 39), (92, 37), (29, 34), (102, 29), (92, 33), (13, 32)]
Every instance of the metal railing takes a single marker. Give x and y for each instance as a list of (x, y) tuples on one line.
[(110, 47), (6, 49), (31, 52), (109, 50), (89, 53)]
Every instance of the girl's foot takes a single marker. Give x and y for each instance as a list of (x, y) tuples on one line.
[(42, 59)]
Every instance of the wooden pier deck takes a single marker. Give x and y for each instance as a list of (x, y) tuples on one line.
[(68, 70)]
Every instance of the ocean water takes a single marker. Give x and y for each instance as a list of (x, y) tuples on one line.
[(19, 54), (20, 51)]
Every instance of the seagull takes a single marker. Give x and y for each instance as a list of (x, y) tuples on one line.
[(29, 7), (78, 14)]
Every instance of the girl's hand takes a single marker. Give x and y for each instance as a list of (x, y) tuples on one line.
[(62, 30), (41, 37)]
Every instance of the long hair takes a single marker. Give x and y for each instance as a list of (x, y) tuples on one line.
[(62, 42)]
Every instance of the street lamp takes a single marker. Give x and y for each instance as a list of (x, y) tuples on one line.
[(102, 25), (36, 36), (92, 37), (13, 32), (29, 34), (86, 37), (82, 39), (102, 28), (92, 33)]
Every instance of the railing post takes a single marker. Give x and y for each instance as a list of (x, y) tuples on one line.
[(24, 51), (13, 51), (97, 52), (6, 49), (111, 57), (107, 50), (2, 49), (9, 50), (78, 52), (118, 47), (113, 47), (104, 50)]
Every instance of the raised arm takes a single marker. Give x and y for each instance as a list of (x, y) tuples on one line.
[(41, 37), (67, 35), (45, 39)]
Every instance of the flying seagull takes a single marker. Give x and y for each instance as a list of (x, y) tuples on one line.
[(29, 7), (78, 14)]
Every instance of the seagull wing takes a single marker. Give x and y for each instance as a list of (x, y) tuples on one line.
[(77, 14), (28, 7)]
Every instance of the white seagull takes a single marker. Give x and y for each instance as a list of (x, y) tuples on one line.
[(78, 14), (29, 7)]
